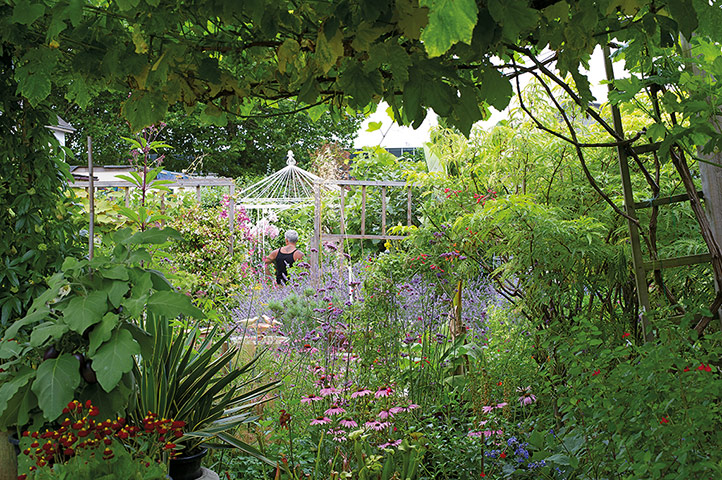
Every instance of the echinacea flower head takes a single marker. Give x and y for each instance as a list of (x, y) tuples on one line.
[(527, 399), (383, 392), (384, 414), (334, 410), (320, 421), (395, 410), (325, 392), (311, 398), (348, 423), (501, 405), (391, 444), (488, 408), (411, 406), (362, 392)]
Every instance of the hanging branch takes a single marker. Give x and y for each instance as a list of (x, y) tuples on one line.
[(573, 140)]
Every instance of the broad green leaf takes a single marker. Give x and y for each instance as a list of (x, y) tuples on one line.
[(171, 304), (9, 388), (10, 348), (287, 54), (55, 384), (373, 126), (328, 51), (46, 330), (116, 272), (495, 89), (411, 18), (26, 13), (450, 22), (362, 87), (117, 291), (143, 109), (114, 358), (514, 16), (85, 311), (154, 236), (34, 317), (102, 332)]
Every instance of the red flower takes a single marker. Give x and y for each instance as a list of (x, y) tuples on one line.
[(706, 368), (596, 372), (664, 420), (502, 455), (626, 334)]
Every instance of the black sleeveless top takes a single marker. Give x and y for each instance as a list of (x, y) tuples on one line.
[(282, 262)]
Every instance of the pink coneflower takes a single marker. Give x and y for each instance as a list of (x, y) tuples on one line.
[(361, 393), (320, 421), (348, 423), (384, 414), (383, 392), (526, 398), (395, 443), (412, 406), (395, 410), (375, 425), (325, 392), (488, 408), (501, 405), (334, 410), (311, 398)]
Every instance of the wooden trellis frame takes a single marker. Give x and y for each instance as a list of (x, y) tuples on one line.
[(639, 265), (318, 236)]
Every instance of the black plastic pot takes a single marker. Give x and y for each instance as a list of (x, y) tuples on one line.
[(13, 439), (188, 467)]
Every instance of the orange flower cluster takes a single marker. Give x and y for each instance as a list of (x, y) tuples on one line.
[(79, 431)]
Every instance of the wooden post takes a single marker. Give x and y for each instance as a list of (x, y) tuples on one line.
[(231, 214), (640, 274), (363, 209), (710, 173), (316, 242), (343, 211), (408, 207), (91, 199), (198, 193), (127, 196), (383, 210)]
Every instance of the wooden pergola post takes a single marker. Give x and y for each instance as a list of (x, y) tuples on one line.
[(315, 255)]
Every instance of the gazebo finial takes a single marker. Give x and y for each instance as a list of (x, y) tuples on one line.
[(290, 161)]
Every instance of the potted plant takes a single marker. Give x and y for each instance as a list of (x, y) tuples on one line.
[(187, 379)]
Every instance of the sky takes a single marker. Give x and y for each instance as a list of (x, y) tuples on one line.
[(391, 135)]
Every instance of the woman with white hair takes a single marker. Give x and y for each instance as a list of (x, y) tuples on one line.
[(284, 257)]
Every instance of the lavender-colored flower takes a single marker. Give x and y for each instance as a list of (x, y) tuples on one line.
[(501, 405)]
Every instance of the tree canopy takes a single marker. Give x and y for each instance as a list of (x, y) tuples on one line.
[(452, 56), (240, 147)]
